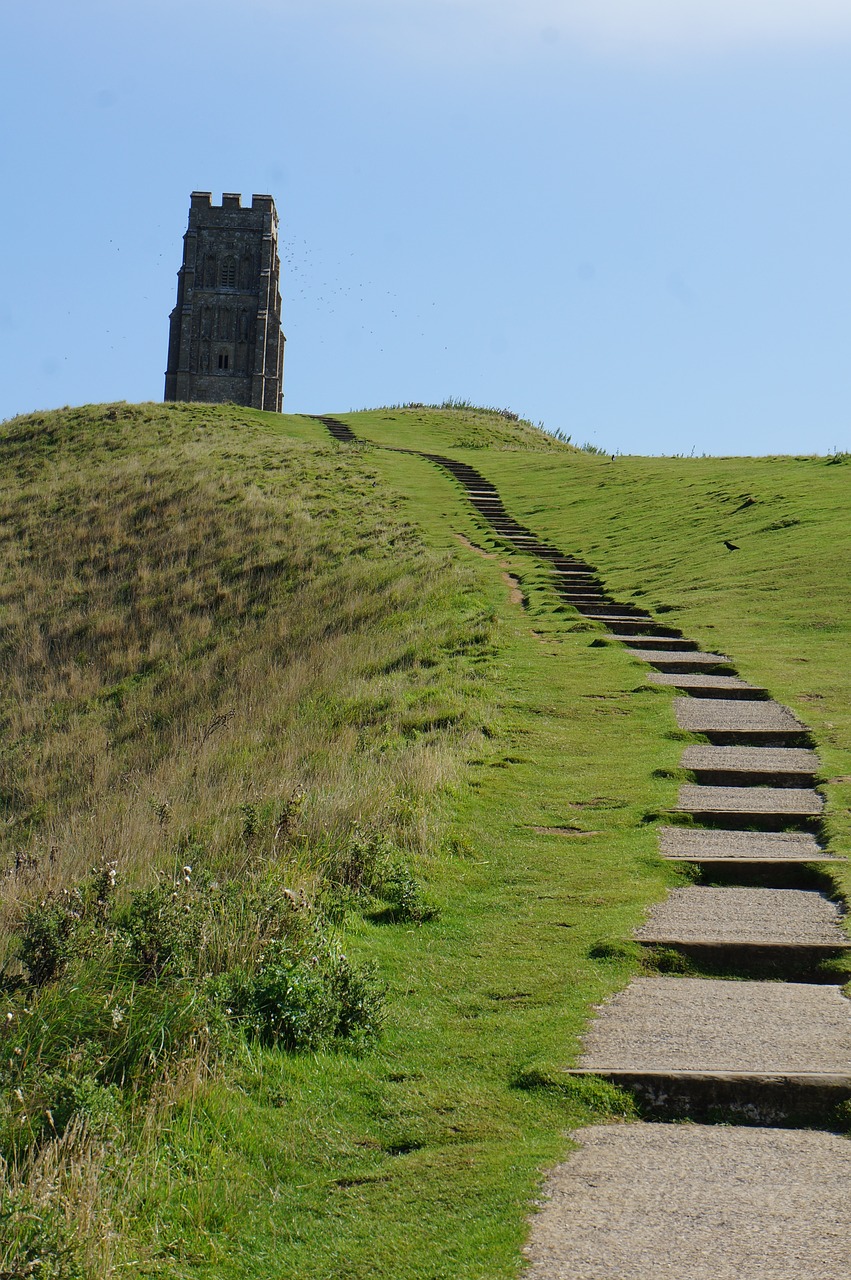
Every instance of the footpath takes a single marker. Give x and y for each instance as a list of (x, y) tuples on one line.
[(742, 1071)]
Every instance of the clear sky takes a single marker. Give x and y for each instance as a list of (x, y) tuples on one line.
[(628, 219)]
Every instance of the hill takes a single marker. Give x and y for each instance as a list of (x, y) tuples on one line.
[(314, 859)]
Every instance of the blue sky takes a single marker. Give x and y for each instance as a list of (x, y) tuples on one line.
[(630, 219)]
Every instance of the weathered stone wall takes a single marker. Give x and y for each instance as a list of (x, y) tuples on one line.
[(225, 339)]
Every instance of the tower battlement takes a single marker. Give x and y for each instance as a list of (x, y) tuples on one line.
[(231, 200), (225, 340)]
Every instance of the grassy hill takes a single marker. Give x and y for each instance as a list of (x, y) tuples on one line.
[(320, 836)]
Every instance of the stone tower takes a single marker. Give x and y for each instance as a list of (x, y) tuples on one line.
[(225, 340)]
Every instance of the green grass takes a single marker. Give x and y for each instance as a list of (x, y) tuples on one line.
[(655, 528), (427, 706)]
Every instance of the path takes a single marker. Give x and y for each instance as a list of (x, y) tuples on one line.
[(657, 1201)]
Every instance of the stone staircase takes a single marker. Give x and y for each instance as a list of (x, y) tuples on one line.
[(767, 1043)]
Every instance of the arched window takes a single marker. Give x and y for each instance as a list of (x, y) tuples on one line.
[(227, 273), (223, 360)]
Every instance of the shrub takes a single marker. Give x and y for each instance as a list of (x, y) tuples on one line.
[(113, 994), (161, 929), (46, 933), (297, 1001), (400, 887), (369, 868), (49, 930)]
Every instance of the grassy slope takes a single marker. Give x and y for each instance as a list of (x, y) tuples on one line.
[(420, 1158), (655, 528)]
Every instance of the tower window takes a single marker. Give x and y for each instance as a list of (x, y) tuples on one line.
[(227, 273), (224, 360)]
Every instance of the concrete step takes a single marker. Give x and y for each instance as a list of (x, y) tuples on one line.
[(702, 684), (627, 626), (751, 766), (797, 802), (688, 844), (626, 610), (680, 661), (617, 619), (695, 1202), (721, 715), (766, 1050), (661, 643), (611, 611), (735, 917), (580, 598)]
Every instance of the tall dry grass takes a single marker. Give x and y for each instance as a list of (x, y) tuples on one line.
[(219, 645), (195, 628)]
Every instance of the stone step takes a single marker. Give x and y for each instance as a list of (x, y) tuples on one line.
[(751, 766), (695, 1202), (611, 611), (798, 802), (637, 625), (698, 683), (704, 916), (624, 627), (661, 643), (680, 658), (751, 759), (688, 844), (721, 715), (626, 610), (765, 1049), (579, 598)]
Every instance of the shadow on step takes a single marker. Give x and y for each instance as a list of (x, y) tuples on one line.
[(751, 961), (783, 1101)]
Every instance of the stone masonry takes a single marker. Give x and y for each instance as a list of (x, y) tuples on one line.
[(225, 339)]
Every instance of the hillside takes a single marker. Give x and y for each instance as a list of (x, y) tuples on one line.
[(656, 528), (314, 857)]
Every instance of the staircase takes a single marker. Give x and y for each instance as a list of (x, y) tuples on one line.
[(754, 1032)]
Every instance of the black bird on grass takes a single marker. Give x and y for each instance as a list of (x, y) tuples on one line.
[(731, 546)]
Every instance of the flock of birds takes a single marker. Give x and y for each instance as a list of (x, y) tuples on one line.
[(330, 296)]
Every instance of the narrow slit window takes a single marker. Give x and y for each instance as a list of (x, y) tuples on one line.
[(223, 360)]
